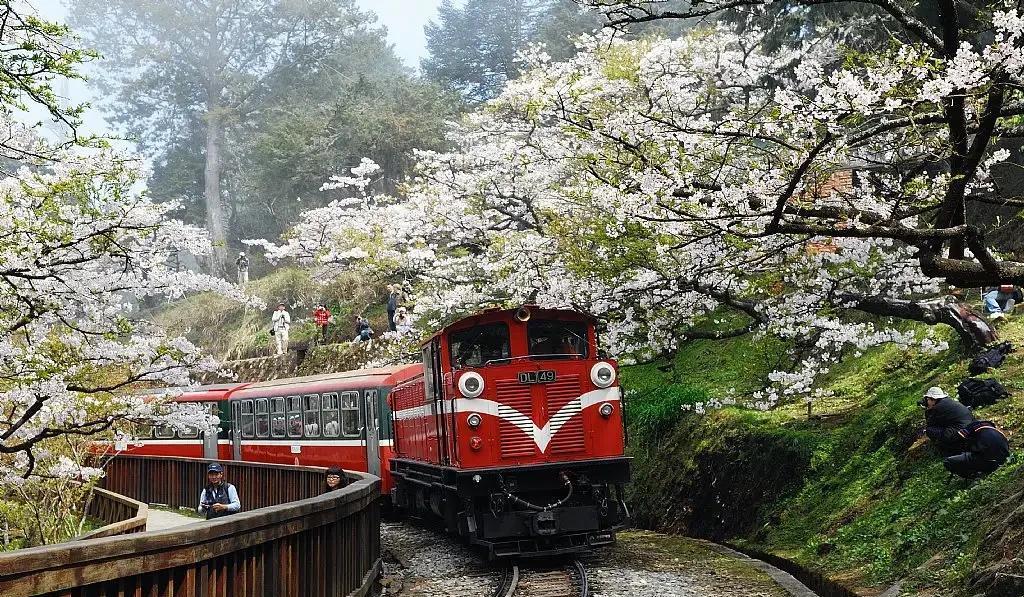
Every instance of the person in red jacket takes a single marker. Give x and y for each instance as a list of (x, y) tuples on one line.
[(321, 317)]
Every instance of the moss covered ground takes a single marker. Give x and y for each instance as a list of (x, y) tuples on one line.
[(853, 490)]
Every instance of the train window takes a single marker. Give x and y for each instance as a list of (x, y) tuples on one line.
[(558, 339), (311, 415), (262, 418), (479, 345), (144, 431), (294, 416), (277, 426), (350, 414), (164, 432), (332, 425), (247, 419), (188, 432)]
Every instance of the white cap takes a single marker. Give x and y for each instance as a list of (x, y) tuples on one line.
[(935, 393), (240, 253)]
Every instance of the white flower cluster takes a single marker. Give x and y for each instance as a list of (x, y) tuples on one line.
[(80, 251), (647, 181)]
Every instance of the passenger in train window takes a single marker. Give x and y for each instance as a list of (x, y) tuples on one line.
[(336, 478), (331, 427)]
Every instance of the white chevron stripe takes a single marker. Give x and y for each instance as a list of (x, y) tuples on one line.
[(542, 436)]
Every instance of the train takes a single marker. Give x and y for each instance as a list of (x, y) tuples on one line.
[(509, 433)]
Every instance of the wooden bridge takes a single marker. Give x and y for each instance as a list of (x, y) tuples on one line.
[(291, 540)]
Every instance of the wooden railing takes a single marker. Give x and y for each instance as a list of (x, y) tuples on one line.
[(307, 544), (178, 482), (123, 515)]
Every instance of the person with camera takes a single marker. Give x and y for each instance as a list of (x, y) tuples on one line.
[(945, 418), (218, 498)]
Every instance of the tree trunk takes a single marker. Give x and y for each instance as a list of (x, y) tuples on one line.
[(211, 175), (972, 328), (214, 140)]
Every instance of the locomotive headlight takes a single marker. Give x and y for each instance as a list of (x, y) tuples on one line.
[(602, 374), (606, 410), (471, 384), (474, 420)]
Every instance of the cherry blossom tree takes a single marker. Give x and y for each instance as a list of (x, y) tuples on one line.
[(82, 251), (709, 187), (921, 118)]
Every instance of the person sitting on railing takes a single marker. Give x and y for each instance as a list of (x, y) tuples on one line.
[(218, 498), (336, 478)]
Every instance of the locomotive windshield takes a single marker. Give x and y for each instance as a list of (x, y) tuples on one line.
[(476, 346), (558, 339)]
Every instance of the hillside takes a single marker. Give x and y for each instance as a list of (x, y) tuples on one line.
[(851, 491), (229, 330)]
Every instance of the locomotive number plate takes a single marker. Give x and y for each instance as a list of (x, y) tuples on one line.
[(545, 376)]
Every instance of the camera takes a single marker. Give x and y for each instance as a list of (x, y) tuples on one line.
[(923, 403)]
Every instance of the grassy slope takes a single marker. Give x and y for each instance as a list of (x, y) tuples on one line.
[(227, 329), (871, 504)]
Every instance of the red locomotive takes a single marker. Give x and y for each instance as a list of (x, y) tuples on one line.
[(510, 432), (513, 436)]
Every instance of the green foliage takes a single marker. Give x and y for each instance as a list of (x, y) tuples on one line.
[(473, 45), (289, 93), (873, 503), (654, 410)]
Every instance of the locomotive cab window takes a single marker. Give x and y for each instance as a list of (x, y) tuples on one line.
[(479, 345), (277, 425), (311, 408), (558, 339), (332, 423)]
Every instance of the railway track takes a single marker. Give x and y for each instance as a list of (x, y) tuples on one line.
[(569, 580)]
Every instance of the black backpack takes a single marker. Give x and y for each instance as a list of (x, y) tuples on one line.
[(990, 359), (976, 393)]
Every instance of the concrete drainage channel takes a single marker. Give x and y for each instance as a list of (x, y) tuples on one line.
[(793, 577)]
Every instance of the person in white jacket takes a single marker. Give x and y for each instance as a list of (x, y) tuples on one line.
[(280, 322), (403, 321)]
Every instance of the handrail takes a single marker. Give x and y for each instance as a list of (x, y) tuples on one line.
[(123, 514), (322, 545)]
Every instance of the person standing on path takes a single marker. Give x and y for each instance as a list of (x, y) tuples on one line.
[(394, 295), (281, 321), (321, 317), (242, 263), (218, 498)]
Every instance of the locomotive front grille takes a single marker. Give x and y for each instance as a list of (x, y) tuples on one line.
[(515, 412), (565, 411)]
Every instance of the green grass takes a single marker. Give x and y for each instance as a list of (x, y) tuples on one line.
[(855, 493)]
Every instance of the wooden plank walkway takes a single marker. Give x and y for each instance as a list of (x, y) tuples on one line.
[(159, 520)]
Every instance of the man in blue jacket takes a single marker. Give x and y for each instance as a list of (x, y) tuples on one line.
[(218, 497)]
